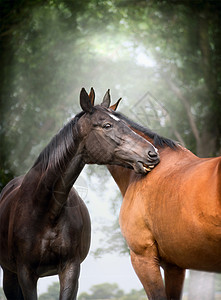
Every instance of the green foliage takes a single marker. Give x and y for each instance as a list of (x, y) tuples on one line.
[(97, 292), (111, 291)]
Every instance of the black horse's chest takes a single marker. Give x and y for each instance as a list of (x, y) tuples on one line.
[(60, 240)]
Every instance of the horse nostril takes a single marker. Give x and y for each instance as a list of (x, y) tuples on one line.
[(152, 154)]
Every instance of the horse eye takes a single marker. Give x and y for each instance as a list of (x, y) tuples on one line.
[(107, 126)]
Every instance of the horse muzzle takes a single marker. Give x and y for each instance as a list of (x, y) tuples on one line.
[(144, 167), (147, 165)]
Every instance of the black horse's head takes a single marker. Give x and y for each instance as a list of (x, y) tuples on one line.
[(108, 140)]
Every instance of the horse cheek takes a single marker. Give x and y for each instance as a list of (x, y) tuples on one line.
[(98, 149)]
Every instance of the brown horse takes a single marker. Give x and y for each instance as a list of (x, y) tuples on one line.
[(171, 217), (44, 225)]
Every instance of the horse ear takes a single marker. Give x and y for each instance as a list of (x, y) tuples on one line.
[(85, 101), (114, 106), (106, 100), (92, 96)]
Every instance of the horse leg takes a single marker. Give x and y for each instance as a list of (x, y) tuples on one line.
[(28, 282), (174, 278), (11, 286), (147, 269), (69, 281)]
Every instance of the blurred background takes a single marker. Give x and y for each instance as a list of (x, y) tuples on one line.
[(162, 57)]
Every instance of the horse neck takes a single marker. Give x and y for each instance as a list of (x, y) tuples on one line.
[(121, 176), (169, 156), (62, 184), (168, 152), (49, 187)]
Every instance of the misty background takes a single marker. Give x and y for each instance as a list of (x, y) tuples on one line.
[(162, 57)]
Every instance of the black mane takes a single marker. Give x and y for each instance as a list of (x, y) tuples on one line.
[(60, 148), (158, 140)]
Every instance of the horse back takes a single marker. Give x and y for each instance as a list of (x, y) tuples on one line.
[(204, 184)]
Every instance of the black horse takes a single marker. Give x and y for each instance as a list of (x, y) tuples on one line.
[(44, 225)]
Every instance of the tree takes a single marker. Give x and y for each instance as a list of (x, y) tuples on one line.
[(134, 295), (54, 46), (102, 291)]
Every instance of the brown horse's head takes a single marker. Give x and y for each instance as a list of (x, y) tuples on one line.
[(108, 140)]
